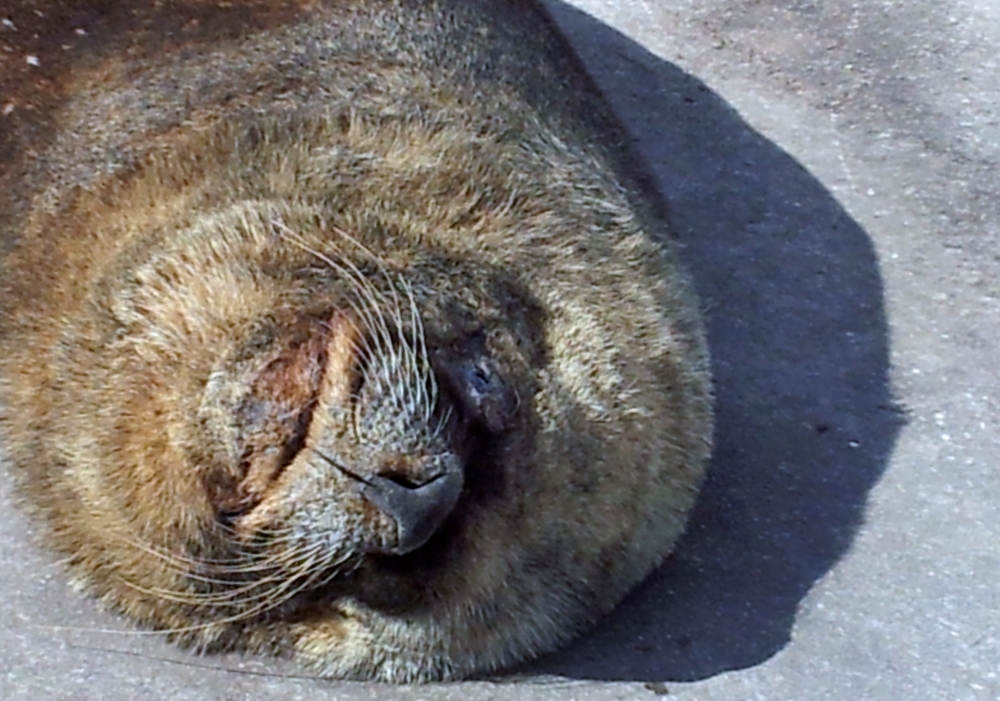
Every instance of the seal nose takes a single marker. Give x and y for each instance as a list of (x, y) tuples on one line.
[(418, 508)]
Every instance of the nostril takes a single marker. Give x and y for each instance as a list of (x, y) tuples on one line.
[(418, 508), (406, 481), (407, 471)]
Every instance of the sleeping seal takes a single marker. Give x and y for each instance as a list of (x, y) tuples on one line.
[(341, 330)]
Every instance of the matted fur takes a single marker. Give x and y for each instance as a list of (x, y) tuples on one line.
[(251, 254)]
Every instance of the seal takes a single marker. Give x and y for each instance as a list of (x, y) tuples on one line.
[(342, 330)]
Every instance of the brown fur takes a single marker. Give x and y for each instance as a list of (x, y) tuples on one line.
[(194, 204)]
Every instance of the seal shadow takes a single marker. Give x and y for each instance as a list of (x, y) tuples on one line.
[(797, 330)]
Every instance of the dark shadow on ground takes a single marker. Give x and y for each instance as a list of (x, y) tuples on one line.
[(799, 340)]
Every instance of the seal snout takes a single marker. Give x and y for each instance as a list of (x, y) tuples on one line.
[(418, 505)]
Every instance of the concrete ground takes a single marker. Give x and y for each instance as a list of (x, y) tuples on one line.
[(832, 168)]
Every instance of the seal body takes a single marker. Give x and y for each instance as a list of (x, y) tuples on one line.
[(341, 330)]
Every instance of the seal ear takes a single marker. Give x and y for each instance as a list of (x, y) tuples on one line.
[(467, 371), (273, 414)]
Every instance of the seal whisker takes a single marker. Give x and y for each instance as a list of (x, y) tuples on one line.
[(369, 307), (182, 561), (299, 568), (400, 388)]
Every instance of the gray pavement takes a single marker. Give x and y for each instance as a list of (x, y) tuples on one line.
[(832, 169)]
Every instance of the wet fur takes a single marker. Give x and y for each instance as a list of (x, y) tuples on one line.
[(185, 228)]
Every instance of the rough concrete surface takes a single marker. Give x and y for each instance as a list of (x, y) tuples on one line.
[(832, 169)]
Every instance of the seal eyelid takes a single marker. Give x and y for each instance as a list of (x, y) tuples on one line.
[(480, 392), (482, 380)]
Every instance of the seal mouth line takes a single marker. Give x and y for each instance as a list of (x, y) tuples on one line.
[(331, 461)]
